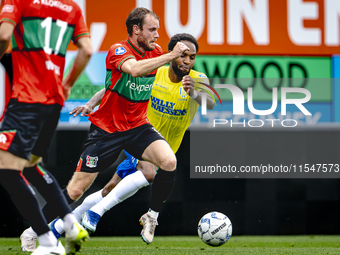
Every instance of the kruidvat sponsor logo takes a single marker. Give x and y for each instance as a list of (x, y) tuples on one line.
[(239, 102)]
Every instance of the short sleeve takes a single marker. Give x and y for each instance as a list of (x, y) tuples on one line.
[(118, 55), (80, 29), (11, 12)]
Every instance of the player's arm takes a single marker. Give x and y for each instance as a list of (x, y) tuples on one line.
[(82, 58), (143, 67), (6, 31), (189, 87), (89, 106)]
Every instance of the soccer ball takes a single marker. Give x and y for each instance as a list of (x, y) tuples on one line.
[(214, 228)]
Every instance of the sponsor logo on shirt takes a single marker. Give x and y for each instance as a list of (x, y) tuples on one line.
[(163, 87), (120, 51), (54, 3), (7, 8), (139, 87), (91, 161), (166, 107)]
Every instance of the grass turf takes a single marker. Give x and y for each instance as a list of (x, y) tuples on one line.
[(193, 245)]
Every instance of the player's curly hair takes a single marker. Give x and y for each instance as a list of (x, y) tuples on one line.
[(182, 37), (136, 17)]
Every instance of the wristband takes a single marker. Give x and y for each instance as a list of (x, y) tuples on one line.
[(194, 95)]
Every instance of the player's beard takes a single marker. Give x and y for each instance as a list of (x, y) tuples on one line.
[(144, 44), (178, 71)]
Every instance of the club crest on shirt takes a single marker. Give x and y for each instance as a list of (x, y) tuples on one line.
[(91, 161), (120, 51), (182, 93)]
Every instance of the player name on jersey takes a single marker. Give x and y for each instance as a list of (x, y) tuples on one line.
[(56, 4)]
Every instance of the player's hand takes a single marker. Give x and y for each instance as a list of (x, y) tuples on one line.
[(83, 109), (179, 49), (188, 85)]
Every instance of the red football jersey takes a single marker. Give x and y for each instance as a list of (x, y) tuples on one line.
[(125, 102), (43, 30)]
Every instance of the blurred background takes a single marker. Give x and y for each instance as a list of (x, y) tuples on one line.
[(241, 41)]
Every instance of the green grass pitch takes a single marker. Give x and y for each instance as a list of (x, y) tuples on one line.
[(247, 245)]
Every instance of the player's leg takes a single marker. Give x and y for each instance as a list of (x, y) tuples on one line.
[(49, 188), (23, 197), (97, 158), (57, 225), (40, 177), (47, 185), (88, 202), (124, 183), (150, 145), (126, 188), (79, 182), (88, 167), (92, 199), (110, 185), (161, 154), (19, 132), (100, 151)]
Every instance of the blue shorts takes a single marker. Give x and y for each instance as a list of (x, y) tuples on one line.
[(128, 166)]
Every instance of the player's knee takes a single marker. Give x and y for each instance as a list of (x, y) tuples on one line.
[(169, 163), (75, 192)]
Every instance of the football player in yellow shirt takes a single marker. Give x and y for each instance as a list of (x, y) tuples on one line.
[(176, 94)]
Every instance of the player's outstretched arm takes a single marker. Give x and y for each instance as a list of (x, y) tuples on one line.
[(82, 58), (6, 30), (143, 67), (89, 106), (189, 87)]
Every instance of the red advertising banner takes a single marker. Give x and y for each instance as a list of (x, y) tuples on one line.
[(264, 27)]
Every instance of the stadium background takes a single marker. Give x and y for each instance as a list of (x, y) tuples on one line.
[(237, 38)]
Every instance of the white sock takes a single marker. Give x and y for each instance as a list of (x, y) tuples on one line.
[(153, 214), (48, 239), (88, 202), (124, 189), (69, 220), (59, 226)]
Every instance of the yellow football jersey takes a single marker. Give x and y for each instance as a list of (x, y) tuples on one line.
[(170, 108)]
